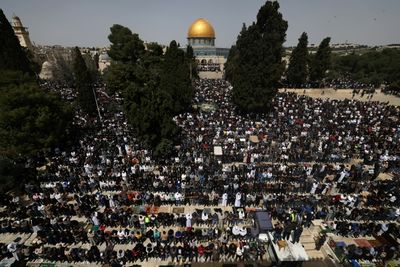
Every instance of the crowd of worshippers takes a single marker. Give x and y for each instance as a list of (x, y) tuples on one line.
[(347, 83), (296, 162), (298, 129), (391, 90), (339, 83), (233, 242), (209, 67), (179, 252)]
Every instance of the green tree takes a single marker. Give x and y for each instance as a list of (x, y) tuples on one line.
[(371, 68), (231, 63), (321, 62), (119, 76), (258, 65), (126, 49), (125, 46), (155, 49), (154, 86), (83, 83), (297, 71), (151, 63), (12, 77), (14, 175), (12, 56), (192, 62), (149, 112), (31, 120), (175, 78), (96, 58)]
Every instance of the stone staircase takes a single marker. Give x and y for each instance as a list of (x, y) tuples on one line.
[(307, 240), (324, 256)]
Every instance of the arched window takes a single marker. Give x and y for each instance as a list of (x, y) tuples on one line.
[(203, 61), (210, 61)]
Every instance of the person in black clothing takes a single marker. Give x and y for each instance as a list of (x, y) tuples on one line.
[(163, 253), (208, 251), (186, 252), (173, 253), (287, 231), (232, 251), (321, 241), (297, 233), (277, 232), (193, 253)]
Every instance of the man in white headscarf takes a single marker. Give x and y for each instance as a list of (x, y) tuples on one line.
[(204, 216), (237, 199), (224, 199), (188, 220), (95, 219)]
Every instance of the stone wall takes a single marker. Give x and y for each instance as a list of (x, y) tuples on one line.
[(57, 63)]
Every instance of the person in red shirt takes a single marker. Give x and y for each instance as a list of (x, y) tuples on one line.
[(200, 251)]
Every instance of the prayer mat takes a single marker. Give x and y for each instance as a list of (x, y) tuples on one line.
[(178, 210), (375, 243), (363, 243), (340, 244)]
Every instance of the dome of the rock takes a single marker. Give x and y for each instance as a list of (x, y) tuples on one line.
[(201, 28)]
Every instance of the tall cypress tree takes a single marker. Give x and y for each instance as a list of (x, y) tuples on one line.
[(245, 79), (12, 57), (321, 61), (258, 65), (175, 79), (231, 63), (297, 71), (192, 62), (83, 84)]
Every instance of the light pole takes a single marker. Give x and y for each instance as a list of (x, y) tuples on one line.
[(97, 105)]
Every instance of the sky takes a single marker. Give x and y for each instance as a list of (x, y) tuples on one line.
[(88, 22)]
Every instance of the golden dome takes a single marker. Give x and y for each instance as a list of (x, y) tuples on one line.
[(201, 28)]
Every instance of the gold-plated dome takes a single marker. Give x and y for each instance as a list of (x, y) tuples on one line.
[(201, 28)]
